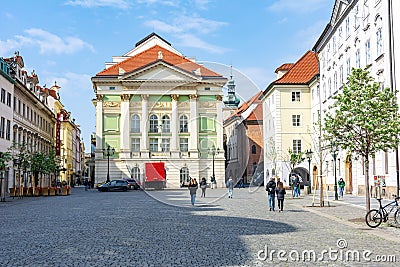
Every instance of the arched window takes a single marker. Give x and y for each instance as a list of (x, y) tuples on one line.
[(183, 124), (135, 126), (153, 123), (165, 124), (184, 176), (136, 174), (253, 149)]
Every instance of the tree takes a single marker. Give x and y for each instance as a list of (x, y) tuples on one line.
[(364, 119)]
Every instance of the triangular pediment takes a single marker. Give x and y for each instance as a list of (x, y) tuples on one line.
[(159, 71)]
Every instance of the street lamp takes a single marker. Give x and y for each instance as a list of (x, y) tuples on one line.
[(213, 151), (334, 151), (309, 154), (2, 172), (110, 152)]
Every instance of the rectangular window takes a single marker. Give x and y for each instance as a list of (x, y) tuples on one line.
[(341, 77), (348, 66), (358, 59), (296, 120), (295, 96), (153, 145), (296, 146), (15, 103), (184, 144), (135, 147), (9, 99), (165, 147), (3, 96), (2, 127), (379, 42), (8, 130), (207, 124), (368, 52), (347, 26)]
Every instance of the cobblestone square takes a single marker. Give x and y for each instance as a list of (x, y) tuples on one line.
[(162, 228)]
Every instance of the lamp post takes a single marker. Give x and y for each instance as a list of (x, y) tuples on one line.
[(334, 151), (309, 154), (213, 151), (110, 152)]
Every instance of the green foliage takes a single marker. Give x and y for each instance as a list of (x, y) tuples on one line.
[(295, 159), (365, 118), (5, 157)]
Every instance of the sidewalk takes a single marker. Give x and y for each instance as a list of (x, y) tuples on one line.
[(349, 211)]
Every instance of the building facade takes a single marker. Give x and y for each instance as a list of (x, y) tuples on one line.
[(287, 117), (155, 105), (244, 141), (360, 34)]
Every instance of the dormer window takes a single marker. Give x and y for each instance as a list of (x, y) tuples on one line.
[(207, 89)]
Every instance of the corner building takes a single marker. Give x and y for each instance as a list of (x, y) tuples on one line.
[(154, 105)]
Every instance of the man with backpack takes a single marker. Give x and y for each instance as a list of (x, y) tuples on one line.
[(271, 188), (230, 185)]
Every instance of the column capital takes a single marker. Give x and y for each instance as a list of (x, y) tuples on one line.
[(99, 97), (194, 97), (145, 97), (218, 97), (125, 97), (175, 97)]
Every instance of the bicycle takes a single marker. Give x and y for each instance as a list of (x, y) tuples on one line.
[(375, 216)]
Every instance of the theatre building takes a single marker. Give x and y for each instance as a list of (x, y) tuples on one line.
[(158, 113)]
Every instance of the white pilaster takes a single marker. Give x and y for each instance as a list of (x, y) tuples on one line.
[(219, 123), (124, 131), (99, 127), (174, 127), (144, 148), (193, 127)]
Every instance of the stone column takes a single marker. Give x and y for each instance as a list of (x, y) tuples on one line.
[(99, 126), (219, 123), (124, 130), (144, 147), (193, 128), (174, 127)]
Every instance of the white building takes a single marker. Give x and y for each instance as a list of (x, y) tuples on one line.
[(155, 105), (360, 34)]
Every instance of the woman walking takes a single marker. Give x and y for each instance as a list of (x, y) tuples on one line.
[(280, 194), (203, 186), (192, 190), (341, 184)]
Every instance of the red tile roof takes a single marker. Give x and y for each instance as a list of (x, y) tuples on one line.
[(302, 71), (255, 114), (150, 56)]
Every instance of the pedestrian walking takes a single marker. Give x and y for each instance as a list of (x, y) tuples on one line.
[(203, 186), (241, 182), (341, 184), (192, 190), (271, 188), (86, 184), (280, 195), (295, 185), (230, 184)]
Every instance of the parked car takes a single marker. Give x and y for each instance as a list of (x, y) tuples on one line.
[(132, 184), (114, 185)]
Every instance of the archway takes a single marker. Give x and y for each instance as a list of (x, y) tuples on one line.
[(303, 173), (348, 174)]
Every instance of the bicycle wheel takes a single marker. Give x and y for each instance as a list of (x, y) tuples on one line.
[(397, 217), (373, 218)]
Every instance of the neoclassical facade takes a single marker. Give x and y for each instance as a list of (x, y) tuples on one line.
[(360, 34), (155, 105)]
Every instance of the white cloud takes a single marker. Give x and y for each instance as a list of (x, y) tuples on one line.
[(47, 42), (159, 2), (311, 34), (72, 84), (190, 40), (201, 4), (188, 28), (303, 6), (122, 4)]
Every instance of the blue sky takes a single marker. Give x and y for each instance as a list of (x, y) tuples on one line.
[(69, 41)]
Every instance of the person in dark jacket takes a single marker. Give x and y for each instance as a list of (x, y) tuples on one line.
[(203, 186), (193, 189), (280, 195), (271, 188)]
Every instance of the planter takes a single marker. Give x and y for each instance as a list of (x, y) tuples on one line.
[(13, 191), (45, 191), (36, 191), (52, 191), (64, 191), (30, 191), (25, 192), (68, 190)]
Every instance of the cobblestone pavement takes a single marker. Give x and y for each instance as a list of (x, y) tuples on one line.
[(161, 228)]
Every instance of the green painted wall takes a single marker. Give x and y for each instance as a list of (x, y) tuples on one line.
[(207, 98), (113, 98), (111, 123)]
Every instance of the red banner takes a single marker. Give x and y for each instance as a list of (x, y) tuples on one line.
[(58, 139)]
